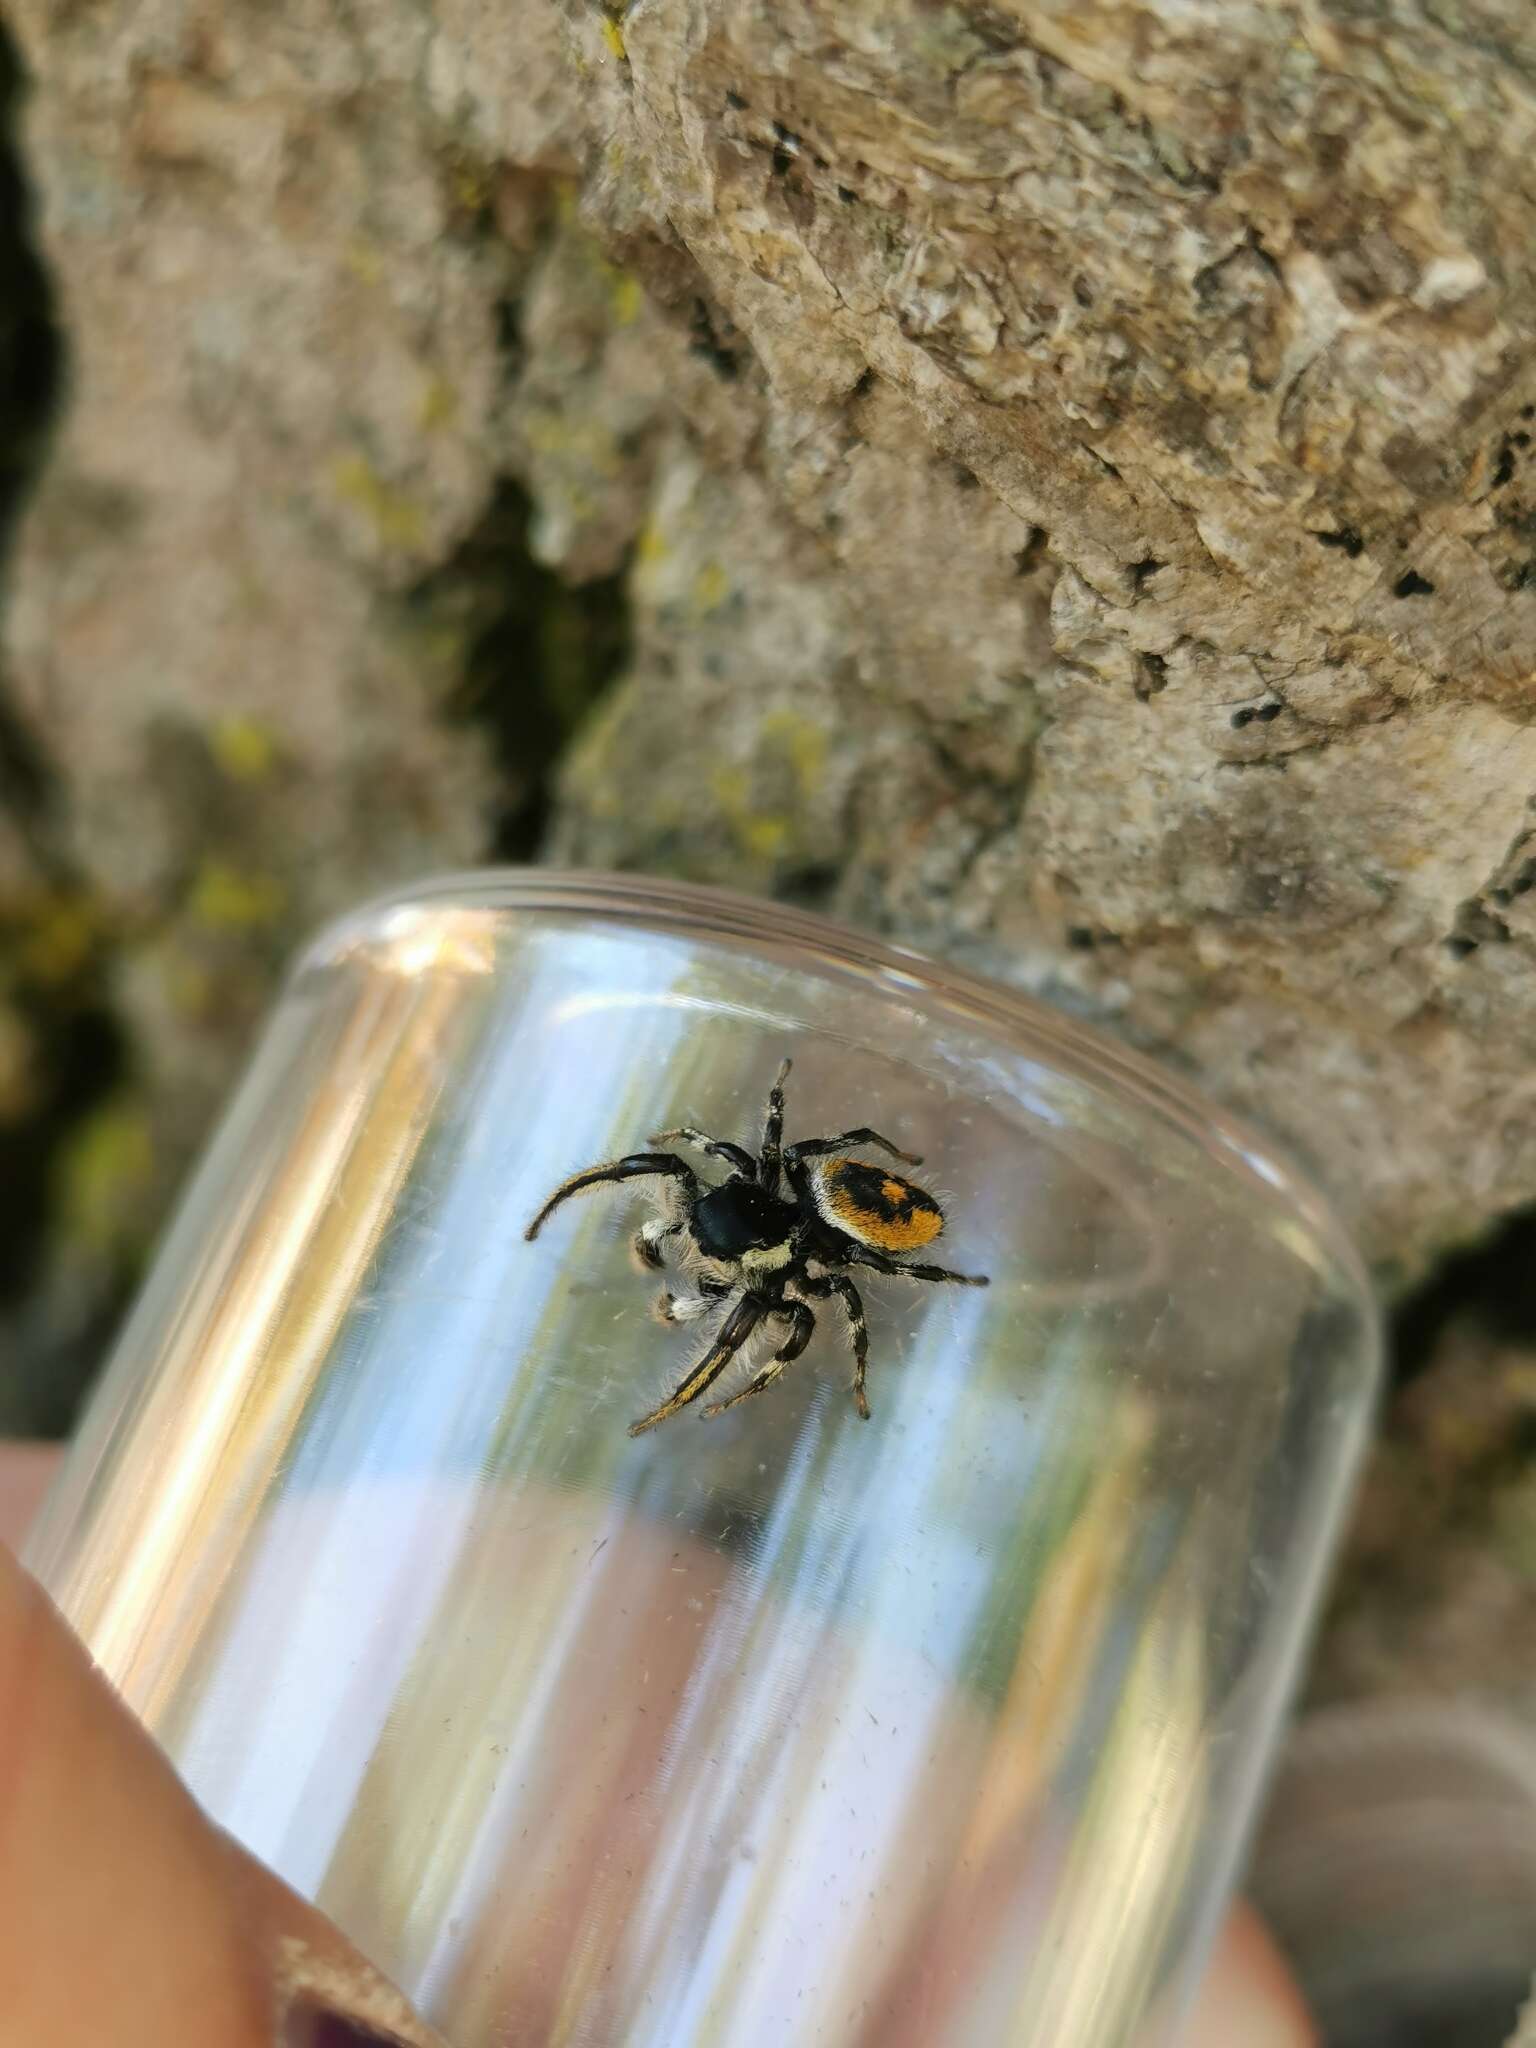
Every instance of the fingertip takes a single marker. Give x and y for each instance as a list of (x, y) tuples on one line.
[(1249, 1998), (125, 1915), (113, 1895), (26, 1471)]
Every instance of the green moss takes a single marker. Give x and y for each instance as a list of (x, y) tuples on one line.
[(244, 748), (439, 405), (711, 587), (363, 259), (55, 936), (800, 741), (764, 836), (104, 1172), (471, 181), (1514, 1526), (190, 989), (760, 832), (397, 520), (563, 439), (225, 898)]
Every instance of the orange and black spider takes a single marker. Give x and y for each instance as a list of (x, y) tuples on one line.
[(757, 1255)]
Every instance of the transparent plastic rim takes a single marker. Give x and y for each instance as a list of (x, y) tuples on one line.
[(1024, 1023)]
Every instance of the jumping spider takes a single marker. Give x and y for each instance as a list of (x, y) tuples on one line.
[(757, 1255)]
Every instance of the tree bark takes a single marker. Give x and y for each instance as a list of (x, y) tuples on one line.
[(1111, 550), (1068, 471)]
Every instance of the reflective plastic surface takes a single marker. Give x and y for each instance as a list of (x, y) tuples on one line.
[(939, 1730)]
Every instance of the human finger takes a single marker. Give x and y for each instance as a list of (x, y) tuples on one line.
[(127, 1920), (25, 1473)]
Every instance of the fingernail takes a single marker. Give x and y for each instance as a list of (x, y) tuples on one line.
[(329, 2001)]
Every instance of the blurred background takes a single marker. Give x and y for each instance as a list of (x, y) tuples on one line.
[(1051, 483)]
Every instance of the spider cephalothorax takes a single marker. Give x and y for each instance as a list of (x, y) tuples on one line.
[(756, 1253)]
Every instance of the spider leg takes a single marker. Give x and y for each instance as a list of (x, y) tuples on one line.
[(802, 1323), (687, 1308), (866, 1255), (717, 1148), (734, 1332), (771, 1154), (818, 1148), (647, 1242), (824, 1286), (634, 1167)]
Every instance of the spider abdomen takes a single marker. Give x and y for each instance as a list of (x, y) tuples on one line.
[(874, 1205)]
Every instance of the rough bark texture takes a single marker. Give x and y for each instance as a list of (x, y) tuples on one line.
[(1074, 464), (1072, 467), (1195, 346), (1110, 544)]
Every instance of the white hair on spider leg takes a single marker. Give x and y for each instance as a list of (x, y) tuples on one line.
[(683, 1308)]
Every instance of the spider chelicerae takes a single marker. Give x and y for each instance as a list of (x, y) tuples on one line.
[(757, 1255)]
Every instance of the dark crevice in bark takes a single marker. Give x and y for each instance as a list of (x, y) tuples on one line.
[(30, 345), (538, 655), (1493, 1283), (56, 998), (31, 358)]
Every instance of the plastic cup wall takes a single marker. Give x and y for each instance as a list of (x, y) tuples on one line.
[(934, 1731)]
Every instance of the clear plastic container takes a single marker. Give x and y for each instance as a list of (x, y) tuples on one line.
[(939, 1730)]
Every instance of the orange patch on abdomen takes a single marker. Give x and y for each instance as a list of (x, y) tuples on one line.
[(878, 1207), (922, 1227)]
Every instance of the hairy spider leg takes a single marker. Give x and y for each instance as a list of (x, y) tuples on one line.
[(802, 1323), (634, 1167), (717, 1148), (770, 1157), (818, 1148), (687, 1308), (647, 1242), (866, 1255), (734, 1332), (824, 1286)]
